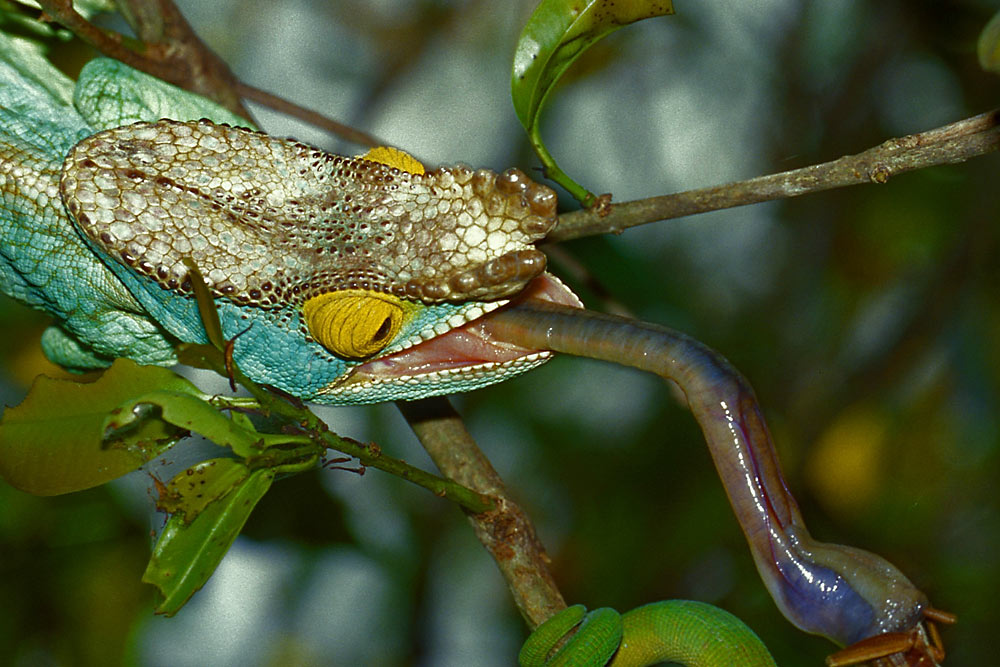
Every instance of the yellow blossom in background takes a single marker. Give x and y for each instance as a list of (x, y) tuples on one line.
[(844, 470)]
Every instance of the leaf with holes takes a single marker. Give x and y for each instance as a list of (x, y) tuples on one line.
[(190, 549), (58, 439), (192, 413)]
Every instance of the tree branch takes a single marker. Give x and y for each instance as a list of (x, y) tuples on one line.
[(949, 144), (506, 531), (289, 108), (166, 47)]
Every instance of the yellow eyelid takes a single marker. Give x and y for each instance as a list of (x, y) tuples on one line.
[(355, 324)]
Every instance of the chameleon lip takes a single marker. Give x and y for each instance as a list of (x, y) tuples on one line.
[(466, 346)]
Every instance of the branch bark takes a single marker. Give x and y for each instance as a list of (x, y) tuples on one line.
[(166, 46), (505, 532)]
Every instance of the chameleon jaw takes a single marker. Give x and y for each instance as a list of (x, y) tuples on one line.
[(464, 355)]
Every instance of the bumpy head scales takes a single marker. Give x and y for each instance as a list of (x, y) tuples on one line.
[(272, 223)]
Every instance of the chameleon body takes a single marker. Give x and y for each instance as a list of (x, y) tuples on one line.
[(117, 293), (275, 226), (449, 245), (102, 202), (97, 315)]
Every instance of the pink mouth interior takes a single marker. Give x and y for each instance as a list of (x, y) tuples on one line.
[(467, 345)]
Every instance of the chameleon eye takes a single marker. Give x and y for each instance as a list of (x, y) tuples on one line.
[(354, 323)]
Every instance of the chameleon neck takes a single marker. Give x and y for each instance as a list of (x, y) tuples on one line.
[(843, 593)]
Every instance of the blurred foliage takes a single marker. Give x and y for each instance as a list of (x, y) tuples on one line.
[(866, 319)]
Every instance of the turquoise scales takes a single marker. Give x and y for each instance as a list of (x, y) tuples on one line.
[(40, 249), (269, 222)]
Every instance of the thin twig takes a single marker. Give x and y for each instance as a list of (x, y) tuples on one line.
[(949, 144), (506, 531), (315, 118), (166, 47)]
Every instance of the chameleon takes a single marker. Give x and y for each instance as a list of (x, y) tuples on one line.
[(130, 296), (348, 280)]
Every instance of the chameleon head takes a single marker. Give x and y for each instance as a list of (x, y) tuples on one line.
[(362, 256), (356, 324)]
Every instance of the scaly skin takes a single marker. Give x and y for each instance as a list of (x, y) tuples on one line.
[(40, 247), (443, 242)]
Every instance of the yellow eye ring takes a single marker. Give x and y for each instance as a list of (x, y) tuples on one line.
[(354, 324)]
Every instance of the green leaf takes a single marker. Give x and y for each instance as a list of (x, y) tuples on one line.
[(989, 45), (242, 420), (57, 440), (194, 489), (187, 554), (557, 33), (191, 413)]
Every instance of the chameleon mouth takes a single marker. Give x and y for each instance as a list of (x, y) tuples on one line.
[(466, 348)]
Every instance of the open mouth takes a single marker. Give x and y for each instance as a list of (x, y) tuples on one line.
[(467, 347)]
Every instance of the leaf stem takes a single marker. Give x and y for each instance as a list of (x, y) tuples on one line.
[(233, 402), (555, 173)]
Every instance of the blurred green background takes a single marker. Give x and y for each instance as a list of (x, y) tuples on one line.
[(866, 319)]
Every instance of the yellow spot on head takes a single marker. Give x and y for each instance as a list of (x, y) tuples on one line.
[(355, 324), (394, 157)]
